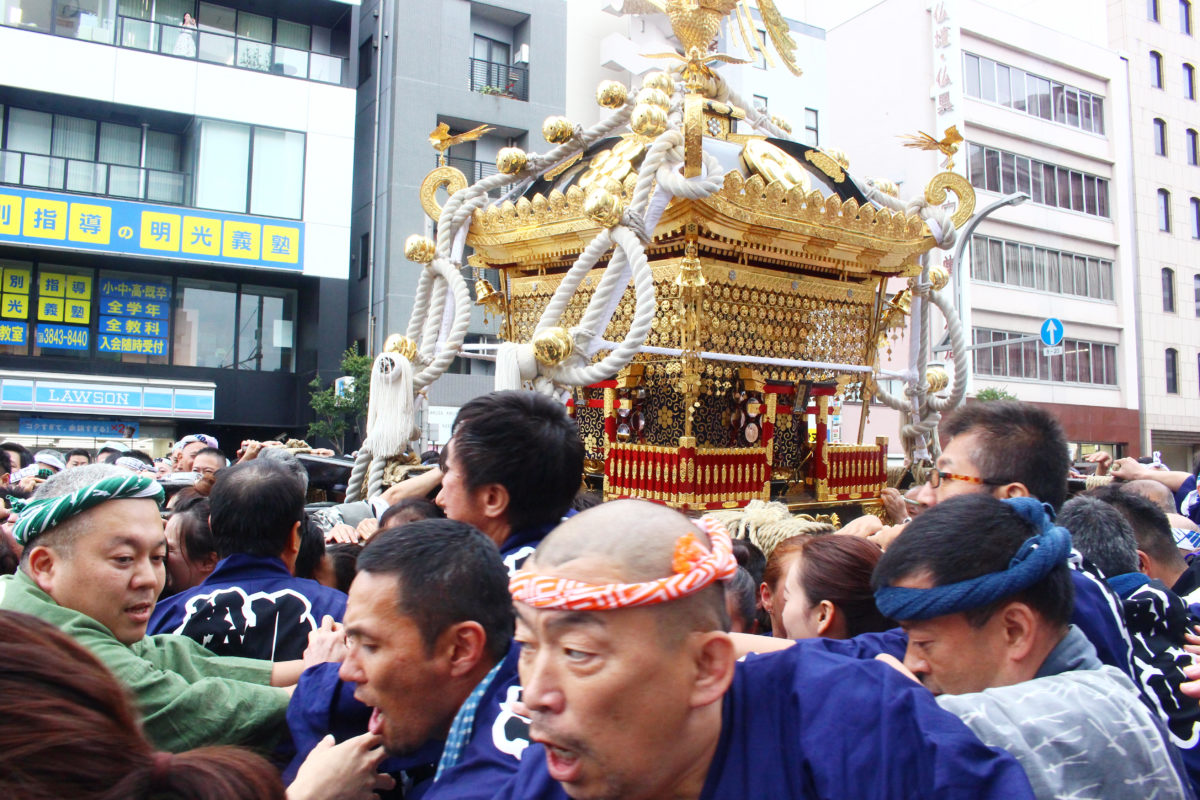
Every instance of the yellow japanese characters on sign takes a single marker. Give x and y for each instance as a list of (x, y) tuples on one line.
[(10, 214), (16, 306), (77, 312), (159, 231), (202, 235), (50, 309), (241, 240), (16, 280), (79, 287), (280, 244), (52, 283), (90, 223), (45, 219)]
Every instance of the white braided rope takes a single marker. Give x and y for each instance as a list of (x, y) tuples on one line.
[(375, 477), (958, 347), (358, 474)]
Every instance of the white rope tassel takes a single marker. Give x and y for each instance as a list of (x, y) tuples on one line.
[(515, 364), (390, 412)]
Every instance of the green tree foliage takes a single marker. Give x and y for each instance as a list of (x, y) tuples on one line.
[(992, 393), (339, 414)]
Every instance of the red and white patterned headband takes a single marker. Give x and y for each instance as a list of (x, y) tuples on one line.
[(694, 567)]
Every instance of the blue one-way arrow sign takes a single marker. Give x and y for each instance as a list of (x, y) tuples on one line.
[(1052, 332)]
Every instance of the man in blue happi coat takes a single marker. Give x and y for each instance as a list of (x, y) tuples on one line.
[(634, 691)]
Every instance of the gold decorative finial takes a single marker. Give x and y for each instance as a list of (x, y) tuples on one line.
[(551, 346), (398, 343), (557, 130), (420, 249), (948, 146), (611, 94), (442, 141), (511, 160)]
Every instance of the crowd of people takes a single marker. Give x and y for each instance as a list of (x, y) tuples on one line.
[(485, 629)]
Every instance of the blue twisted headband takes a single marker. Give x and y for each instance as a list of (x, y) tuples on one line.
[(1038, 555)]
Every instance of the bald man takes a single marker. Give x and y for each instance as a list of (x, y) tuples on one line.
[(633, 688), (1185, 532)]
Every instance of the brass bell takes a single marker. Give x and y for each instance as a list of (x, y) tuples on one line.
[(551, 346), (611, 94), (510, 160), (485, 293), (420, 249)]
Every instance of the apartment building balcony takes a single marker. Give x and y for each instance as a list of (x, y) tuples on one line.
[(316, 49), (503, 80)]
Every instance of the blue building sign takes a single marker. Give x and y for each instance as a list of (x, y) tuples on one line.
[(107, 398), (71, 426), (102, 225)]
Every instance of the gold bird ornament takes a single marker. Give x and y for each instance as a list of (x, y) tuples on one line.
[(948, 146), (442, 140)]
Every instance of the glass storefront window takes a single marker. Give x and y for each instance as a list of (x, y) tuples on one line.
[(266, 329), (134, 318), (62, 313), (16, 328), (204, 323)]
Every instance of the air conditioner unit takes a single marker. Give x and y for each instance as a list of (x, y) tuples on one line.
[(522, 55)]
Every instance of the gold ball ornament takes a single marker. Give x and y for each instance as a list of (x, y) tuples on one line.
[(420, 249), (939, 276), (602, 206), (402, 345), (510, 160), (612, 94), (653, 97), (659, 80), (551, 346), (557, 130), (648, 120), (936, 379)]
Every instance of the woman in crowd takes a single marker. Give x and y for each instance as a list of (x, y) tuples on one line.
[(827, 592), (191, 552), (770, 591)]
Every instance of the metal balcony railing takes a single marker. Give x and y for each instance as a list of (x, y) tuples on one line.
[(232, 51), (488, 77), (474, 170), (92, 177)]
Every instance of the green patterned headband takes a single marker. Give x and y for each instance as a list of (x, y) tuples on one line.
[(35, 517)]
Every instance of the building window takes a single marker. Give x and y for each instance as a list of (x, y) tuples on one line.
[(1152, 10), (1046, 184), (366, 60), (1156, 69), (1031, 94), (812, 134), (1081, 362), (1185, 17), (1168, 290), (1196, 293), (135, 318), (760, 103), (90, 156), (266, 338), (1189, 81), (1160, 137), (364, 255), (1054, 271), (205, 323), (1193, 147), (1164, 210), (1172, 358), (250, 169), (493, 71), (1195, 201), (761, 55)]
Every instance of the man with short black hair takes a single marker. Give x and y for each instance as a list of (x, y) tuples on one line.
[(634, 689), (78, 457), (251, 605), (984, 592), (512, 467), (1102, 535), (208, 461)]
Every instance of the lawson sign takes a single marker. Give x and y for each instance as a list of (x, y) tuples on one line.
[(18, 394)]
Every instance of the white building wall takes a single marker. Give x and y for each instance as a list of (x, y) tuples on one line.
[(130, 77)]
